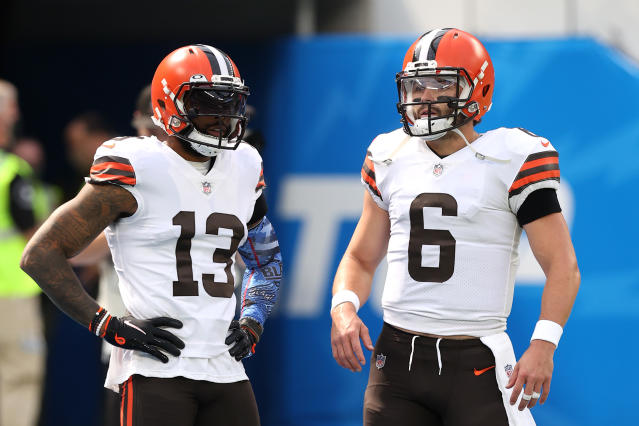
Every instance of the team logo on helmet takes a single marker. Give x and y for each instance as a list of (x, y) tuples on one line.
[(380, 361)]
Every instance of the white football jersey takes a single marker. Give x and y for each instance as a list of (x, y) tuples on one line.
[(453, 248), (174, 257)]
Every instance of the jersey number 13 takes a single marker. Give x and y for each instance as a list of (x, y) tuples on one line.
[(186, 285)]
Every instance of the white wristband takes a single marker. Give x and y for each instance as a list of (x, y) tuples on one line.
[(549, 331), (345, 296)]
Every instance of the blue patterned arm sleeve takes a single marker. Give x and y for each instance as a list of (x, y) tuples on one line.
[(261, 283)]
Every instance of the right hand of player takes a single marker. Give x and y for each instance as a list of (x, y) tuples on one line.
[(346, 332), (145, 335)]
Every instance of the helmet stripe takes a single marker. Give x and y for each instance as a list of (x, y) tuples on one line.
[(227, 61), (219, 65), (427, 46), (215, 66)]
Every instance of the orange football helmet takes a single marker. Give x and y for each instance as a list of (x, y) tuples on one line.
[(444, 67), (197, 95)]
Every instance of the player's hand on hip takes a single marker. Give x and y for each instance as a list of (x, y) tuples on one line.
[(346, 332), (145, 335), (532, 374), (242, 340)]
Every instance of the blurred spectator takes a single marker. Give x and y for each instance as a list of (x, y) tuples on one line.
[(32, 151), (21, 343), (142, 122), (83, 135)]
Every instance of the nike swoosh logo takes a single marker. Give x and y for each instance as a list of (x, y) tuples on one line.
[(130, 324), (482, 371), (545, 144), (108, 145)]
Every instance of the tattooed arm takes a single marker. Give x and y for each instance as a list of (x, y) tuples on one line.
[(65, 233)]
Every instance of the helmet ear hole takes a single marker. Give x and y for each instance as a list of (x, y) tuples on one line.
[(485, 90)]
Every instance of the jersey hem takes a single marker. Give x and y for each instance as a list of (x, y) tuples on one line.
[(442, 327)]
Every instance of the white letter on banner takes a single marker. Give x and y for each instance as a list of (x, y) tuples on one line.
[(322, 203)]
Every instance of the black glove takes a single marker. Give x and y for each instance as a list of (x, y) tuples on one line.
[(144, 335), (243, 338)]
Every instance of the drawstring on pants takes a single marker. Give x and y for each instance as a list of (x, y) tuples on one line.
[(439, 355), (412, 350)]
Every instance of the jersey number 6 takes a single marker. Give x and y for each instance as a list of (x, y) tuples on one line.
[(433, 237), (185, 285)]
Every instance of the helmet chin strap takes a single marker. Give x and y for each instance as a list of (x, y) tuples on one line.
[(433, 137), (478, 154), (207, 151)]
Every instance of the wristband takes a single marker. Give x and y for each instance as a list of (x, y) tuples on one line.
[(549, 331), (99, 316), (345, 296)]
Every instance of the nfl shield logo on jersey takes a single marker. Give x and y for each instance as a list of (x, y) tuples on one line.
[(206, 187), (380, 361), (509, 370), (438, 169)]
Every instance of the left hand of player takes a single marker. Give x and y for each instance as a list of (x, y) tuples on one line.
[(242, 340), (532, 373)]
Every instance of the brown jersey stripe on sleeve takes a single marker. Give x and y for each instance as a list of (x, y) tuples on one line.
[(112, 169), (543, 154), (368, 172), (113, 165), (111, 159), (95, 171), (534, 170), (539, 162), (106, 178), (371, 183), (368, 175)]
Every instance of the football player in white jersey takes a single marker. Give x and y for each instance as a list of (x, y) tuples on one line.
[(175, 214), (446, 206)]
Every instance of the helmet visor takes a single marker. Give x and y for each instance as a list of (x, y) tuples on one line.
[(428, 88), (199, 101), (215, 112)]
